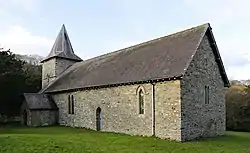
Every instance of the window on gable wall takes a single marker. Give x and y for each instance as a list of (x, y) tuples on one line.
[(71, 107), (141, 102), (206, 94), (72, 104)]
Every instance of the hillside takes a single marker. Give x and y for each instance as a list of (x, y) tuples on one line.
[(31, 59)]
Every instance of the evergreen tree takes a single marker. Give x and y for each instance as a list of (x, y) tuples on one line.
[(16, 78)]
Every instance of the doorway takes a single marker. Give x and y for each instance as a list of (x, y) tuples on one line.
[(98, 119), (25, 117)]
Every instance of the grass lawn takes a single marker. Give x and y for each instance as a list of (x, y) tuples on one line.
[(64, 139)]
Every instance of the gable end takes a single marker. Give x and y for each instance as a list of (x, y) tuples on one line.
[(218, 59)]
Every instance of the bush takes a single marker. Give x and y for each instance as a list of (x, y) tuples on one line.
[(238, 108)]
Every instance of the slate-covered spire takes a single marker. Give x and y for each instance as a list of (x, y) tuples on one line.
[(62, 47)]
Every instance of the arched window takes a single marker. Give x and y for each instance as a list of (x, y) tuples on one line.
[(71, 104), (98, 119), (141, 101)]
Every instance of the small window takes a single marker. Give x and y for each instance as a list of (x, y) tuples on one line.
[(71, 107), (72, 104), (141, 102), (206, 94)]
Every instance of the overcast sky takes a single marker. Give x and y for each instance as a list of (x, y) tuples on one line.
[(100, 26)]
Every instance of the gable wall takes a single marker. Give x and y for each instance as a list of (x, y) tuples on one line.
[(200, 119), (120, 109)]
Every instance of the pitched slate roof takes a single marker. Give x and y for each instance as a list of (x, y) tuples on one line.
[(39, 101), (62, 47), (161, 58)]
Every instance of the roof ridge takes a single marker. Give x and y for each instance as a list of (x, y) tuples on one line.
[(162, 37)]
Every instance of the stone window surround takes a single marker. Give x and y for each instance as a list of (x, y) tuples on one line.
[(71, 104), (140, 88), (207, 94)]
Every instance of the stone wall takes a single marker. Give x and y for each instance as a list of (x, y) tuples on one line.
[(6, 119), (62, 64), (48, 68), (53, 68), (120, 109), (42, 117), (200, 119), (167, 110)]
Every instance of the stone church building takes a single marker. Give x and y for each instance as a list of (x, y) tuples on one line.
[(171, 87)]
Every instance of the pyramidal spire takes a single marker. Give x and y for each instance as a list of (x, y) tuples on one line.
[(62, 47)]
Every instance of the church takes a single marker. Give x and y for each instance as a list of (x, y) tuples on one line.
[(172, 87)]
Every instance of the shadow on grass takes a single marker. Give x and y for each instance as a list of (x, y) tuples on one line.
[(46, 130), (229, 137), (9, 124)]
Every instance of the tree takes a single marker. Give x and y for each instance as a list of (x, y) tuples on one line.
[(33, 77), (238, 108), (16, 78), (12, 81)]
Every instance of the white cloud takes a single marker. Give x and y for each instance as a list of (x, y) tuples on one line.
[(241, 73), (21, 41), (230, 20), (23, 4)]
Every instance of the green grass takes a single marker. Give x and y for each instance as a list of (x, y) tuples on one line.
[(64, 139)]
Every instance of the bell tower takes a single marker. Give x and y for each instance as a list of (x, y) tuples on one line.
[(59, 59)]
